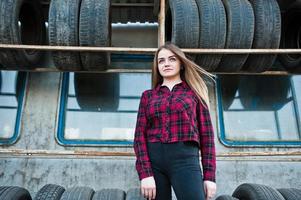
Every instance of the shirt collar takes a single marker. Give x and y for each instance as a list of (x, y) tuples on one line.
[(182, 84)]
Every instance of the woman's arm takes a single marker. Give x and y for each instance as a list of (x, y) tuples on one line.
[(207, 150), (143, 164), (206, 143)]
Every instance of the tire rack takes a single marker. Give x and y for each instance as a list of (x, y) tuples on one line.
[(161, 41)]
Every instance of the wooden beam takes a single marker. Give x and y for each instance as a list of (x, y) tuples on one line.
[(87, 153), (130, 50), (161, 30)]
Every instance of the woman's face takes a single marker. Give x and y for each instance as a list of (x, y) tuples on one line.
[(168, 64)]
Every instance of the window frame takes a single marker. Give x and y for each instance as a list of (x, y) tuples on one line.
[(20, 106), (61, 123), (250, 143)]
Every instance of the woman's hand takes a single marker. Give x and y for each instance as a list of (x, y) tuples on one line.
[(148, 188), (210, 189)]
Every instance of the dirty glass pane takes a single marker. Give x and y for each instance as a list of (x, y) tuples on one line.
[(10, 89), (260, 107), (103, 106)]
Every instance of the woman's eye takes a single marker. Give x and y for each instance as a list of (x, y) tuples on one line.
[(161, 61), (172, 59)]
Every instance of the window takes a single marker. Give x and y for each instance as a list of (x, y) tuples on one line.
[(100, 108), (11, 100), (259, 110)]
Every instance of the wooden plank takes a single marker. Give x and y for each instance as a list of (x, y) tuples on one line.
[(118, 153)]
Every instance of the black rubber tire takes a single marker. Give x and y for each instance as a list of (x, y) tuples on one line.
[(182, 25), (109, 194), (240, 32), (156, 9), (266, 36), (33, 31), (97, 91), (19, 84), (264, 92), (291, 37), (95, 30), (63, 30), (14, 193), (3, 189), (50, 192), (213, 29), (82, 193), (134, 194), (248, 191), (290, 193), (229, 86), (226, 197), (285, 4)]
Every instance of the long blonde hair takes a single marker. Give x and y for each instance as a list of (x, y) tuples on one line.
[(191, 73)]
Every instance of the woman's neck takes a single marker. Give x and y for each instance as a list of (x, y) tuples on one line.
[(170, 83)]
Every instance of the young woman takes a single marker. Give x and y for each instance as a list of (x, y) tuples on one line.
[(173, 124)]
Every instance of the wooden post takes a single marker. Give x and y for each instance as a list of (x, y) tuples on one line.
[(161, 31)]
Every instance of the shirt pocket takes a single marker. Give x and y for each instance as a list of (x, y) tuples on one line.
[(185, 104), (155, 108)]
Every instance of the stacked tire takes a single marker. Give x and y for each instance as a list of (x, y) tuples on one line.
[(291, 36), (213, 28), (235, 24), (80, 23), (182, 24), (240, 31), (95, 95), (21, 22), (266, 35), (218, 24), (246, 191), (14, 193), (56, 192), (251, 191)]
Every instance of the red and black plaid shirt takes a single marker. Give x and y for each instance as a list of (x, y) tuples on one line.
[(171, 116)]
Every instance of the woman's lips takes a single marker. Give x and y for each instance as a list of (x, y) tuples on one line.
[(167, 70)]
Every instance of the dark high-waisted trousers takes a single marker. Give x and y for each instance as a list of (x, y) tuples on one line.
[(177, 165)]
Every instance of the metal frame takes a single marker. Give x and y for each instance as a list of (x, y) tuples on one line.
[(61, 124), (17, 126), (237, 143)]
